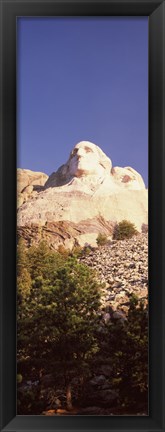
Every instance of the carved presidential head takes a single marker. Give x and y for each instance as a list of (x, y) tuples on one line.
[(88, 159)]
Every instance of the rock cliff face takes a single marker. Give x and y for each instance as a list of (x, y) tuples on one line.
[(84, 197), (28, 184)]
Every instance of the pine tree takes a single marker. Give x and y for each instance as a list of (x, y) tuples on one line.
[(126, 344), (59, 322)]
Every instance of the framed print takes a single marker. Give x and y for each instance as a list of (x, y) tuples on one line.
[(79, 315), (82, 250)]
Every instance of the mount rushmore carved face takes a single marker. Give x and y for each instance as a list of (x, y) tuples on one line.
[(128, 177), (88, 164), (88, 159)]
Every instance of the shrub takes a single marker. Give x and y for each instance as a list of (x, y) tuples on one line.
[(101, 239), (87, 250), (124, 230), (63, 251), (76, 251)]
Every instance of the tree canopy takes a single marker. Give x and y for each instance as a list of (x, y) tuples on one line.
[(61, 333)]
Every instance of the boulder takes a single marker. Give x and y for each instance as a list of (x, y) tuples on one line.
[(27, 182)]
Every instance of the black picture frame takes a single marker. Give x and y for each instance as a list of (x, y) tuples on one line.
[(155, 10)]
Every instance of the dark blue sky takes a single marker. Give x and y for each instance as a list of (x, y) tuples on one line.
[(82, 79)]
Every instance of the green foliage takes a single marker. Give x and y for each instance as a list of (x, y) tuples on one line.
[(58, 328), (57, 322), (101, 239), (19, 378), (42, 261), (22, 257), (127, 346), (23, 272), (86, 250), (66, 306), (76, 251), (124, 230), (63, 251), (29, 400)]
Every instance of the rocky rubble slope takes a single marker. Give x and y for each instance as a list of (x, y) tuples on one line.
[(123, 267)]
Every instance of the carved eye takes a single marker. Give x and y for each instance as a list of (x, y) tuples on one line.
[(88, 149), (126, 179)]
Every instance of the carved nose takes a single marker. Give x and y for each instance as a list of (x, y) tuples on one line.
[(80, 152)]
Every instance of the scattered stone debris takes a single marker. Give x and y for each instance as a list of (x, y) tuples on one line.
[(123, 268)]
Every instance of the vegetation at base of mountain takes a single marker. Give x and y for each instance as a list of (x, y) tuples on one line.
[(78, 251), (124, 230), (67, 355), (63, 251), (126, 344), (58, 318), (101, 239)]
